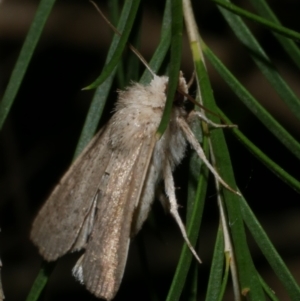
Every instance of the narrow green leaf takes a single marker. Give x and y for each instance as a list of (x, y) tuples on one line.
[(24, 58), (268, 290), (225, 277), (114, 13), (191, 287), (94, 114), (246, 269), (262, 61), (132, 62), (290, 46), (175, 60), (274, 167), (162, 48), (41, 280), (270, 25), (244, 261), (101, 93), (245, 265), (270, 252), (216, 269), (253, 105), (115, 58)]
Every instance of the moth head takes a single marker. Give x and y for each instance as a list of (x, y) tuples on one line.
[(180, 97)]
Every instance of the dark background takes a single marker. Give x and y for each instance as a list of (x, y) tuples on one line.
[(43, 127)]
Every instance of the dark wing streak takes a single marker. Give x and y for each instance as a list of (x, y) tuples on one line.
[(59, 221), (106, 253)]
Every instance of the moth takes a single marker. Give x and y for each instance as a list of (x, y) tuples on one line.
[(104, 198)]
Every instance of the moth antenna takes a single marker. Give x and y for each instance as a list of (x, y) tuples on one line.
[(131, 47)]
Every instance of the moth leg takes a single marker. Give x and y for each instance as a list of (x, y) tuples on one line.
[(197, 147), (194, 114), (170, 191)]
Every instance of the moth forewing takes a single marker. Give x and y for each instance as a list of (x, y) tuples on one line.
[(61, 219), (102, 265)]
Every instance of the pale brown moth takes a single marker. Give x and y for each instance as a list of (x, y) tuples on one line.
[(104, 198)]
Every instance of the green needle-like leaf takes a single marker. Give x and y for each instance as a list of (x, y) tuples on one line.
[(253, 105), (216, 269), (176, 45), (270, 253), (262, 61), (115, 58), (24, 58), (243, 258), (270, 25), (41, 280), (101, 93), (291, 48), (273, 166)]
